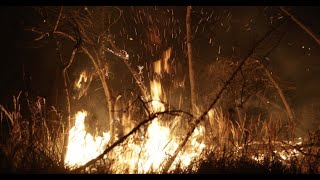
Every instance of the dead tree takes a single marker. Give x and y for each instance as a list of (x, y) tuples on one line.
[(190, 63)]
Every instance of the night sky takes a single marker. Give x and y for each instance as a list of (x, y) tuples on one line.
[(295, 60)]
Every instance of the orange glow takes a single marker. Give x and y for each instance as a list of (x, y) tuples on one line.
[(83, 78)]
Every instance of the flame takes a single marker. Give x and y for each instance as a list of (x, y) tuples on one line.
[(148, 150), (149, 155), (166, 56), (83, 78), (285, 154), (159, 144), (163, 63), (82, 146), (157, 67), (156, 93)]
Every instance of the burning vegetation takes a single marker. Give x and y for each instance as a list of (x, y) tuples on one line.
[(135, 100)]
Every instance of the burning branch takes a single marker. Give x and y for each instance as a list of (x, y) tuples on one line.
[(204, 114)]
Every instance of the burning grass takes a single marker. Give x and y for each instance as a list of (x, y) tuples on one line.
[(166, 141), (162, 143), (217, 145)]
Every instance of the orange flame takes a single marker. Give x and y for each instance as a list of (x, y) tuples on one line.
[(163, 63), (83, 146), (166, 56), (83, 78), (159, 144)]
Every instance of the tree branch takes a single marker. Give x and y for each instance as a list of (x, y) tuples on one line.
[(65, 35), (71, 59), (308, 31), (58, 19)]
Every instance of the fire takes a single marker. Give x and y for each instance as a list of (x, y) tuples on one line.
[(157, 67), (156, 93), (149, 152), (83, 146), (83, 78), (162, 65), (166, 57), (284, 154), (134, 156)]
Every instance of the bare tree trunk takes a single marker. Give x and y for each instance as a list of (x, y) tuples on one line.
[(103, 80), (301, 25), (191, 74), (109, 102), (65, 67), (67, 117), (68, 105), (279, 90)]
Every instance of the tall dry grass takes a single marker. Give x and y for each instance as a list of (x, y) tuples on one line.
[(32, 134)]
